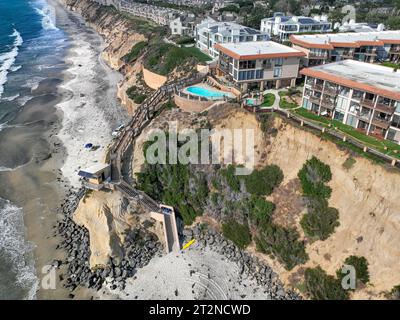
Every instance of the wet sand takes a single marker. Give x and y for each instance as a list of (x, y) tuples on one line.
[(38, 142)]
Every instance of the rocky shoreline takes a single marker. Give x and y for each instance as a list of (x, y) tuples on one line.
[(249, 266), (139, 248)]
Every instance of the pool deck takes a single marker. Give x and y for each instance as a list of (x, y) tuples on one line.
[(208, 87)]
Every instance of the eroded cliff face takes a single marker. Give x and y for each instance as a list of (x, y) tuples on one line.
[(119, 38), (105, 215), (366, 196)]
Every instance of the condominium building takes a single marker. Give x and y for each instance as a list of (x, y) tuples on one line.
[(362, 95), (260, 65), (365, 47), (282, 26), (160, 15), (210, 32)]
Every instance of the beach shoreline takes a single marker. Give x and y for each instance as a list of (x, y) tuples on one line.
[(78, 105)]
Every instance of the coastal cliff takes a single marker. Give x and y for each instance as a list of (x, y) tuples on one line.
[(119, 37)]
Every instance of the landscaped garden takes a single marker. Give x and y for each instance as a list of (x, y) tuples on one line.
[(387, 147), (269, 100)]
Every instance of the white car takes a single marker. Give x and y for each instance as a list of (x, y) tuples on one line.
[(117, 132)]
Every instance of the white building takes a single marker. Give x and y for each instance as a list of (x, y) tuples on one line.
[(282, 26), (353, 26), (210, 32), (183, 25), (363, 95)]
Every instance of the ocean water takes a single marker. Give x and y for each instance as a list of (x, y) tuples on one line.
[(32, 49)]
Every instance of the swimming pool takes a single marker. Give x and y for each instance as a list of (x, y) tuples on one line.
[(208, 93)]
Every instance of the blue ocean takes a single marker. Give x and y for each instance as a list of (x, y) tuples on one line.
[(31, 50)]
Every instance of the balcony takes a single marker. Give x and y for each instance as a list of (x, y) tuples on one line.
[(328, 104), (330, 91), (365, 116), (317, 87), (312, 55), (368, 103), (348, 55), (315, 100), (384, 108), (381, 123)]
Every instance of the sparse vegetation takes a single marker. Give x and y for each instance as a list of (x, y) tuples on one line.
[(134, 94), (135, 52), (321, 286), (349, 163), (163, 58), (283, 243)]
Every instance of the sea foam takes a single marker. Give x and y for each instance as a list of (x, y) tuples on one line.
[(7, 59), (15, 247)]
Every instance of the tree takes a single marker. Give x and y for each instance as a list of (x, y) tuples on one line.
[(238, 233), (321, 286), (360, 264), (320, 221), (262, 182)]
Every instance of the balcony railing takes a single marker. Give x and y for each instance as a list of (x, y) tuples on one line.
[(328, 104), (364, 116), (317, 55), (384, 108), (368, 103), (331, 91), (381, 123), (315, 100), (317, 87)]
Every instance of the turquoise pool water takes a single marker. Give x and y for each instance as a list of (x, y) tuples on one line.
[(208, 93)]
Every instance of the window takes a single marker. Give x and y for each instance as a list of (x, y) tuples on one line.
[(394, 135), (396, 121), (397, 105), (278, 62), (267, 64), (351, 121), (235, 74), (306, 104), (277, 72), (259, 74), (339, 116), (341, 104), (247, 64)]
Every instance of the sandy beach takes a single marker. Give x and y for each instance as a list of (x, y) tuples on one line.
[(47, 137)]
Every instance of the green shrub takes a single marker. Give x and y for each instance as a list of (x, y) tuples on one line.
[(262, 182), (395, 293), (360, 264), (238, 233), (134, 94), (260, 210), (265, 121), (321, 286), (283, 243), (320, 221), (232, 180), (313, 177), (269, 100), (135, 51)]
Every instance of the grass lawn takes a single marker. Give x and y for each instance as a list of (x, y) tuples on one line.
[(368, 141), (269, 100), (163, 58), (195, 52), (391, 65)]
